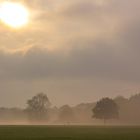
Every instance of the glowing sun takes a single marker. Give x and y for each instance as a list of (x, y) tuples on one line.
[(13, 14)]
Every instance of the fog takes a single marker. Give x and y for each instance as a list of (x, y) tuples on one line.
[(80, 114)]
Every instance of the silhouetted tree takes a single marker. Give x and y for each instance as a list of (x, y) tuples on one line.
[(106, 109), (37, 107)]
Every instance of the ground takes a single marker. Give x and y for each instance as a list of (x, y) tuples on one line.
[(69, 133)]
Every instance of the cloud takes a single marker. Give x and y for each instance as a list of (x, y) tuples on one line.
[(90, 39), (74, 40)]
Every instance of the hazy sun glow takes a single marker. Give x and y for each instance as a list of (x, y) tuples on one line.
[(13, 14)]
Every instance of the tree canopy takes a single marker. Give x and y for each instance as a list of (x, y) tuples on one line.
[(37, 106), (106, 109)]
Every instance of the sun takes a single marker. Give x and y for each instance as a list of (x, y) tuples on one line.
[(14, 14)]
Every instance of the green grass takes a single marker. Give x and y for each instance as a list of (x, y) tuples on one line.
[(69, 133)]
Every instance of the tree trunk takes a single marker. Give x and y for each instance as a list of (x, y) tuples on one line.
[(104, 121)]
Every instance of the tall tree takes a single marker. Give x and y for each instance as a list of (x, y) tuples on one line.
[(37, 107), (106, 109)]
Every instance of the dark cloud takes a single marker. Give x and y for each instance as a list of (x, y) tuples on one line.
[(97, 60)]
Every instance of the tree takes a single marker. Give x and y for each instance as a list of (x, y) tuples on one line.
[(37, 107), (66, 114), (106, 109)]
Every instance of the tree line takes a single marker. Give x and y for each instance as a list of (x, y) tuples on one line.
[(106, 110)]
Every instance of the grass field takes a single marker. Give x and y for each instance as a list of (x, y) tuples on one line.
[(69, 133)]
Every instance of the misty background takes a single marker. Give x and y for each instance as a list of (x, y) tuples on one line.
[(75, 51), (81, 114)]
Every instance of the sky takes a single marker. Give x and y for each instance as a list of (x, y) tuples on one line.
[(73, 50)]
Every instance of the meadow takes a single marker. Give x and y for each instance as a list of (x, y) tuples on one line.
[(69, 133)]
